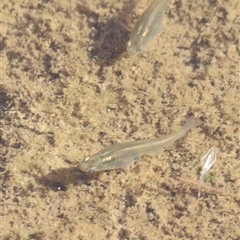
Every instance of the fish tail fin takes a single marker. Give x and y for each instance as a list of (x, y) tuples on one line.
[(192, 122)]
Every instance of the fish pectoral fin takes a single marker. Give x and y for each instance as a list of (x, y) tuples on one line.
[(136, 158), (153, 152)]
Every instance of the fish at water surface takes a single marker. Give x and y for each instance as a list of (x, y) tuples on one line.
[(147, 27), (123, 154)]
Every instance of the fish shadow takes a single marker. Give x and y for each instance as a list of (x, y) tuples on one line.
[(110, 37), (110, 42), (60, 179)]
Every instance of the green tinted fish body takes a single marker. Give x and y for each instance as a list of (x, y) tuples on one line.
[(147, 27), (123, 154)]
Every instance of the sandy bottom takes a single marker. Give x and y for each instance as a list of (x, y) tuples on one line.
[(68, 89)]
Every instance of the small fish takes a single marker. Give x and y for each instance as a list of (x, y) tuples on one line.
[(147, 27), (207, 162), (123, 154)]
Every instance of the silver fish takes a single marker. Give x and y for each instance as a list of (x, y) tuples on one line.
[(123, 154), (147, 27)]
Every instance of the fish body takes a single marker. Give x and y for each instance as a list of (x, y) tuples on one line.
[(147, 27), (123, 154)]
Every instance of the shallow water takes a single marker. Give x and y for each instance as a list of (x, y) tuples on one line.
[(68, 89)]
